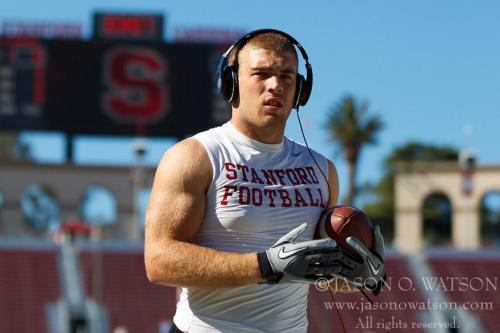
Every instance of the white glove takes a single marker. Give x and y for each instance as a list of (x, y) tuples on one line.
[(369, 272), (301, 262)]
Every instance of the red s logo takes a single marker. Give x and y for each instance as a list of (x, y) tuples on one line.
[(135, 78)]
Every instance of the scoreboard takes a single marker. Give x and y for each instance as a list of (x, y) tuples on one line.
[(119, 87)]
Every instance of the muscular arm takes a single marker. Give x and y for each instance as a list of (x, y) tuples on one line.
[(175, 212), (333, 183)]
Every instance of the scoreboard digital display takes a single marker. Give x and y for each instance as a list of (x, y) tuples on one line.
[(108, 26), (109, 87), (22, 82), (125, 81)]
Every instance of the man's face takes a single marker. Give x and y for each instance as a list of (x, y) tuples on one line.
[(267, 81)]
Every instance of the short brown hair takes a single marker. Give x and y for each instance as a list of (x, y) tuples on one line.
[(267, 40)]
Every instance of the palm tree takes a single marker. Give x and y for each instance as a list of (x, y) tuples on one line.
[(351, 127)]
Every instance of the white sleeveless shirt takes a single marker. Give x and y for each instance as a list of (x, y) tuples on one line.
[(259, 192)]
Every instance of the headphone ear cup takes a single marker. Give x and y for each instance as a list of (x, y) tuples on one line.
[(226, 83), (299, 88), (229, 84), (306, 88), (234, 87)]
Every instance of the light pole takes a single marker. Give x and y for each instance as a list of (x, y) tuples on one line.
[(138, 183)]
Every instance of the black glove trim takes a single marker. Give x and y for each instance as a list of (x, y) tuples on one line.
[(266, 270)]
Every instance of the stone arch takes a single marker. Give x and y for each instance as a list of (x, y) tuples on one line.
[(98, 205), (414, 181), (69, 183), (437, 212), (40, 208), (489, 210)]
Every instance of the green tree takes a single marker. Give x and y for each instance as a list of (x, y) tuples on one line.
[(381, 209), (351, 127)]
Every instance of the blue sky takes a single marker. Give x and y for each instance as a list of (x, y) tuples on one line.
[(429, 68)]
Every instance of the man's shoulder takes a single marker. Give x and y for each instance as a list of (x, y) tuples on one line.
[(187, 150), (187, 160)]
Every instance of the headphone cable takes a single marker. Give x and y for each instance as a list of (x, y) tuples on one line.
[(309, 149), (328, 184)]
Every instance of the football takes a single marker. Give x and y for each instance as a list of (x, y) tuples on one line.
[(341, 222)]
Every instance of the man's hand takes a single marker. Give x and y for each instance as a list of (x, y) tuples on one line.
[(369, 272), (301, 262)]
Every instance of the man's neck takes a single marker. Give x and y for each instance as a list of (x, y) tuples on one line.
[(264, 135)]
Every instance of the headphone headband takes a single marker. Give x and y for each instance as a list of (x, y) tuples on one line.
[(251, 34), (227, 76)]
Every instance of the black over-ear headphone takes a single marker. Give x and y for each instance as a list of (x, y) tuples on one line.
[(227, 75)]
